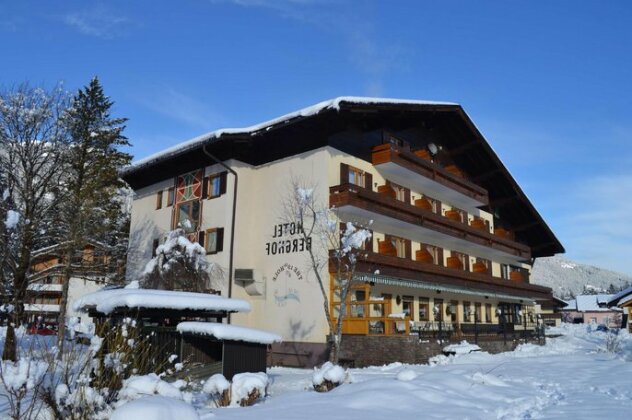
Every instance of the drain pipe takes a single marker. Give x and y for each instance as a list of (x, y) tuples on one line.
[(232, 225)]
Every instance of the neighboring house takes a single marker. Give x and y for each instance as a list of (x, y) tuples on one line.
[(92, 269), (550, 311), (592, 309), (623, 300), (454, 237)]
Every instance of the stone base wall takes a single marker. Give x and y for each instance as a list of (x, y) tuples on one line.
[(296, 354), (361, 351)]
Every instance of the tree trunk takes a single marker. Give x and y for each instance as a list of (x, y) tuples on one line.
[(10, 345), (61, 319)]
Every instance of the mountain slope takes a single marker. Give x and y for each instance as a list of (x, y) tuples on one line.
[(568, 278)]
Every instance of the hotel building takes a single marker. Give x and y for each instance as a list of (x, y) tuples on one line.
[(454, 237)]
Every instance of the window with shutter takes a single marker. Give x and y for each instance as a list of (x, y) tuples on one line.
[(214, 241), (217, 185)]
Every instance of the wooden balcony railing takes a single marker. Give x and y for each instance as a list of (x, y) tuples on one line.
[(363, 198), (405, 268), (420, 164)]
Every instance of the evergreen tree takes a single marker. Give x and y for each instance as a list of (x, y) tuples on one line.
[(92, 162)]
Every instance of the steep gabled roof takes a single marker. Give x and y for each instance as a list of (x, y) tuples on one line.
[(354, 125), (620, 297)]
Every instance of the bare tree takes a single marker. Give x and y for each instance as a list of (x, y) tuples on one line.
[(31, 140), (335, 247)]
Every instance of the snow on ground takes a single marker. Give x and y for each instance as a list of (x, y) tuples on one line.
[(571, 377)]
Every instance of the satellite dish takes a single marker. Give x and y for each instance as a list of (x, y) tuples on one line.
[(432, 148)]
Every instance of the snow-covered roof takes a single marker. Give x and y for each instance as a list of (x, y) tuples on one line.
[(106, 301), (619, 297), (590, 303), (254, 129), (228, 332)]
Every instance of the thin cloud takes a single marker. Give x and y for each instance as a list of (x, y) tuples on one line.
[(98, 22), (180, 107), (374, 59), (597, 227)]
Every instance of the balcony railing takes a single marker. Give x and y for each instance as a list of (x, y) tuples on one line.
[(448, 177), (427, 272), (366, 199)]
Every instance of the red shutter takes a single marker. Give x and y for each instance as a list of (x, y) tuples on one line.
[(222, 183), (220, 239)]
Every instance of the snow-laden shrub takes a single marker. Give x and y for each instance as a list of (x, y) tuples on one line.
[(328, 376), (90, 379), (218, 388), (613, 342), (248, 388), (141, 385), (20, 380)]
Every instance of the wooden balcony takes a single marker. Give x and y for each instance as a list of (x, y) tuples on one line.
[(416, 172), (427, 272), (422, 225)]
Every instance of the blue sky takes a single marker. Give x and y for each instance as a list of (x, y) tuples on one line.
[(548, 83)]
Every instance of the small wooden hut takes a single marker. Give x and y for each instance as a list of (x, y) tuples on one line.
[(189, 325)]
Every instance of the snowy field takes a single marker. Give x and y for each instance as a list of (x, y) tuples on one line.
[(572, 377)]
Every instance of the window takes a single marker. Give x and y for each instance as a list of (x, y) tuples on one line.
[(488, 313), (467, 311), (453, 310), (216, 185), (424, 304), (188, 216), (477, 311), (214, 240), (407, 305), (356, 177), (437, 310), (189, 186), (357, 309), (504, 271), (159, 200), (171, 193)]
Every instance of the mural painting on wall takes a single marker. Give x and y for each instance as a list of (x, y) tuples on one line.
[(284, 277)]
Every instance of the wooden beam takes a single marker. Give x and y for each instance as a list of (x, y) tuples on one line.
[(502, 201), (543, 245), (485, 175), (462, 148), (525, 226)]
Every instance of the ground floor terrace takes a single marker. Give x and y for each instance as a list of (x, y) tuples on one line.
[(380, 305)]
